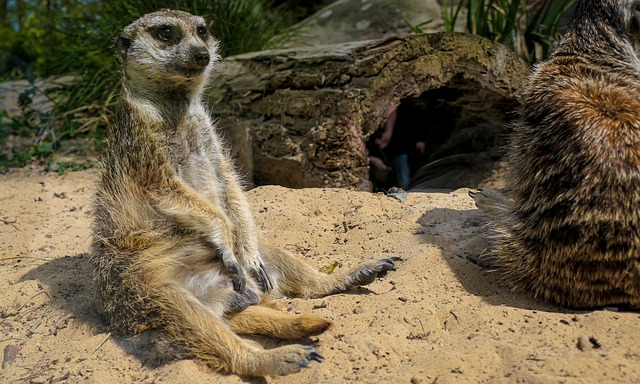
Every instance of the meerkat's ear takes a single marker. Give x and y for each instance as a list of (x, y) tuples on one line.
[(122, 43)]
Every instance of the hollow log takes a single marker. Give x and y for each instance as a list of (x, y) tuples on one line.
[(301, 117)]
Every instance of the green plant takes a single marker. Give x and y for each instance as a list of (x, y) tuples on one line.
[(450, 14), (62, 166), (530, 27), (417, 28), (36, 131)]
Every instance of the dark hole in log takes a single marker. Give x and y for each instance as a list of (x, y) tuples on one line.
[(449, 137)]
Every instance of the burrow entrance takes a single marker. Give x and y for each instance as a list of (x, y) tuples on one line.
[(450, 137)]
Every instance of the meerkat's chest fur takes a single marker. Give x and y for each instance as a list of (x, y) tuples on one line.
[(197, 153)]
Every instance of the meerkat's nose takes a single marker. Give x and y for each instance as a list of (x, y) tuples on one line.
[(201, 56)]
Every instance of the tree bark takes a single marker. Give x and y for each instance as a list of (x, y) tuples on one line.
[(301, 117)]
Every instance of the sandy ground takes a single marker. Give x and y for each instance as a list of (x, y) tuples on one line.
[(438, 318)]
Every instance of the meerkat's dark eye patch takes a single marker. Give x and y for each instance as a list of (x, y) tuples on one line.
[(166, 33), (202, 32)]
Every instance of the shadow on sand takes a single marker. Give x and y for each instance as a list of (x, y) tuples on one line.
[(465, 249)]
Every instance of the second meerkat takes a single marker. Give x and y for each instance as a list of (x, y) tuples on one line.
[(175, 244), (571, 233)]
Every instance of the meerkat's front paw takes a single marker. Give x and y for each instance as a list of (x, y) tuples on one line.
[(367, 272), (234, 269), (237, 302)]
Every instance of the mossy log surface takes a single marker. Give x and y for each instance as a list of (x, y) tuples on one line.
[(301, 117)]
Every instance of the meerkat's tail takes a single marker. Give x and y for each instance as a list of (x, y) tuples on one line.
[(263, 320), (492, 202)]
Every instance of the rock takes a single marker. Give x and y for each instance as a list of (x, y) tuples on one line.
[(10, 354), (357, 20), (302, 117)]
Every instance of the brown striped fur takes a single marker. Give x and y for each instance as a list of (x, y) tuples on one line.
[(175, 244), (572, 234)]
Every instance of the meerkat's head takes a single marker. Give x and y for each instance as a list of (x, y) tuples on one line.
[(169, 49), (597, 21)]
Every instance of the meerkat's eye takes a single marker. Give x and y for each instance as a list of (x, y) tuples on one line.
[(164, 33), (202, 32)]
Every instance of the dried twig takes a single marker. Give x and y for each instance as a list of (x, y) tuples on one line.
[(101, 344)]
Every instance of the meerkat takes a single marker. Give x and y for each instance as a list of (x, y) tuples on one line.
[(569, 231), (175, 245)]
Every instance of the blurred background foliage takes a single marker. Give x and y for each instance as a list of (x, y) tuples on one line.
[(55, 37), (68, 43), (530, 27)]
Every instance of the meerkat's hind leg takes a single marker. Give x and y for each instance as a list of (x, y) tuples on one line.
[(296, 278), (263, 320), (206, 335), (366, 272)]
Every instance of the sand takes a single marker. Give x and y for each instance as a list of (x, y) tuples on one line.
[(437, 318)]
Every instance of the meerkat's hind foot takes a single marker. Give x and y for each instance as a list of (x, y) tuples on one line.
[(294, 357), (491, 202), (290, 359), (367, 272)]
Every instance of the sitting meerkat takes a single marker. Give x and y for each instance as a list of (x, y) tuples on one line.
[(175, 245), (569, 231)]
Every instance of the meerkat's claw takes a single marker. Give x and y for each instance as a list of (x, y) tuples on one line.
[(263, 278), (307, 354), (389, 263), (316, 356), (239, 278), (240, 281)]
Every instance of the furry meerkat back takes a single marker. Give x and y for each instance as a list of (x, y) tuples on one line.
[(571, 234), (175, 246)]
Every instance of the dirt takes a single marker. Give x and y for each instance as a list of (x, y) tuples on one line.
[(437, 318)]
